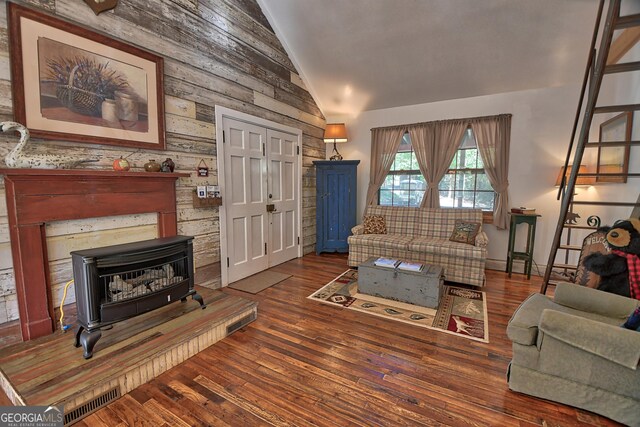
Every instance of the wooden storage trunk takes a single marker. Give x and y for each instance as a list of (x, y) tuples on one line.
[(420, 288)]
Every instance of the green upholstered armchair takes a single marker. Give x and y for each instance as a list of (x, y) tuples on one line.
[(572, 350)]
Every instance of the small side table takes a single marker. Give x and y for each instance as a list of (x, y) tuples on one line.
[(527, 255)]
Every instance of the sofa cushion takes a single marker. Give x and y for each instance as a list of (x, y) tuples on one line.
[(611, 342), (445, 247), (523, 326), (399, 220), (465, 231), (374, 224), (439, 223), (594, 301), (381, 241)]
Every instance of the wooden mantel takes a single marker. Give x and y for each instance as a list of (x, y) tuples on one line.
[(38, 196)]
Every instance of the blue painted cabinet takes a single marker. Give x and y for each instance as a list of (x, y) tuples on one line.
[(335, 203)]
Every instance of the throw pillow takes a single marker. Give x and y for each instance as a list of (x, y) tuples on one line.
[(633, 322), (465, 232), (374, 224)]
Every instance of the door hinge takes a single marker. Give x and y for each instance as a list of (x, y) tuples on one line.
[(264, 151), (223, 138), (298, 148), (265, 248), (227, 262), (298, 240)]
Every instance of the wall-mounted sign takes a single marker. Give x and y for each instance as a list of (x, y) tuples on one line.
[(203, 169)]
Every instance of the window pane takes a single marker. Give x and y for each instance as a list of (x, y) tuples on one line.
[(457, 199), (446, 199), (468, 198), (393, 166), (405, 144), (403, 161), (400, 198), (416, 198), (412, 182), (485, 200), (447, 182), (483, 182), (459, 182), (404, 181), (469, 181), (480, 162), (414, 162), (468, 139), (385, 198), (464, 199), (454, 162), (388, 182), (470, 158)]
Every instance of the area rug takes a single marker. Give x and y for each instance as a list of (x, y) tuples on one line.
[(462, 312), (259, 282)]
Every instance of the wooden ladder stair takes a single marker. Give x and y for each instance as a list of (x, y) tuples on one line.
[(601, 62)]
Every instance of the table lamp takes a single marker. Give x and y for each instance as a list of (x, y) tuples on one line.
[(335, 133)]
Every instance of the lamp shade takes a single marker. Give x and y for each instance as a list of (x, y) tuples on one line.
[(580, 180), (336, 132)]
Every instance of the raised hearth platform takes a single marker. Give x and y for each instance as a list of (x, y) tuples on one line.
[(51, 371)]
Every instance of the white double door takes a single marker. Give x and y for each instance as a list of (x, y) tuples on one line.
[(261, 197)]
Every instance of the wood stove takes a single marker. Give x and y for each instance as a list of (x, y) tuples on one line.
[(118, 282)]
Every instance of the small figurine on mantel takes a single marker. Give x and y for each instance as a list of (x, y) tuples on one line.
[(17, 159), (168, 165)]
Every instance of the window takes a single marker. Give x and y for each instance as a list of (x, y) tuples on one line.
[(465, 185), (404, 185)]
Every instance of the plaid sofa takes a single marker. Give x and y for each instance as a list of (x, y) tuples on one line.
[(422, 235)]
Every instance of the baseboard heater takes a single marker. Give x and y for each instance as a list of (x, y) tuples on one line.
[(241, 323)]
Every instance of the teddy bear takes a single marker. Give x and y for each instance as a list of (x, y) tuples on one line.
[(619, 270)]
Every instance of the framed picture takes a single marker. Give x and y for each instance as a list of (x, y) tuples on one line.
[(614, 159), (73, 84)]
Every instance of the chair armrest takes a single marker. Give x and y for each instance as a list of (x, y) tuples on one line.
[(358, 229), (594, 301), (611, 342), (482, 240)]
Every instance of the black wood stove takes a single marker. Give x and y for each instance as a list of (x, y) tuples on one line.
[(118, 282)]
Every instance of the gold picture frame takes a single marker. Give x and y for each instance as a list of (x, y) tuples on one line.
[(70, 83), (614, 159)]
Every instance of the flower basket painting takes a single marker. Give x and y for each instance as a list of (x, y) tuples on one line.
[(72, 84), (82, 84)]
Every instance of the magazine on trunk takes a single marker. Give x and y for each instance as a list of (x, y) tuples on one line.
[(386, 262), (410, 266)]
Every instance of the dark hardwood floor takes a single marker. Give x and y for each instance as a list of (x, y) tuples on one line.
[(306, 363)]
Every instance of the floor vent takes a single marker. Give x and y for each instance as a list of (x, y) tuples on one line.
[(240, 323), (91, 406)]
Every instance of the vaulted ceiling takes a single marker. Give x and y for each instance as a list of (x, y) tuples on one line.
[(358, 55)]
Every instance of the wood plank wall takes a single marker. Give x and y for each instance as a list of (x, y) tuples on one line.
[(216, 52)]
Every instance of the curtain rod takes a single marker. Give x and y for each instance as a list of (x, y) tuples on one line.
[(470, 119)]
